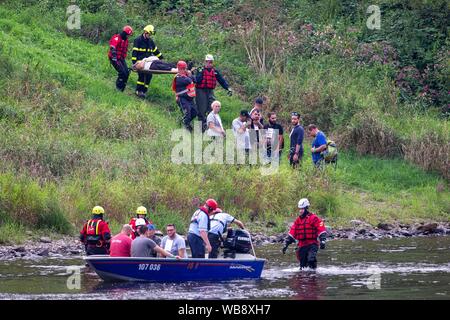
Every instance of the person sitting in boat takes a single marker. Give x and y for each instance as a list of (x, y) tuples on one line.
[(198, 229), (141, 213), (153, 64), (152, 236), (173, 242), (306, 229), (121, 243), (95, 233), (142, 246), (219, 224)]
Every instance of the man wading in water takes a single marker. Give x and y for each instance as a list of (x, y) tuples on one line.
[(306, 229)]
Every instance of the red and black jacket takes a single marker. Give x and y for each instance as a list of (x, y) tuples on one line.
[(207, 78), (118, 46), (95, 232), (183, 85), (133, 226), (306, 230)]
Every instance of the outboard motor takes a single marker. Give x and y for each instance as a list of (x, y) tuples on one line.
[(237, 241)]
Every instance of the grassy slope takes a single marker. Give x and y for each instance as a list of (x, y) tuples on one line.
[(94, 155)]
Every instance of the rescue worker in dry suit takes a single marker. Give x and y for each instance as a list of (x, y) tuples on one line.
[(184, 88), (219, 224), (144, 47), (141, 213), (95, 233), (118, 48), (198, 229), (206, 80), (306, 229)]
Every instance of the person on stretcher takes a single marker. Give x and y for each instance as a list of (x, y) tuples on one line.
[(153, 64)]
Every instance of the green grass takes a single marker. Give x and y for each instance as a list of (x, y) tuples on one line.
[(71, 141)]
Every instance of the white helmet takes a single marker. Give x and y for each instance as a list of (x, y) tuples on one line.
[(209, 57), (140, 222), (303, 203)]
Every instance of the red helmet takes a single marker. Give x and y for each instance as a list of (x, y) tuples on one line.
[(181, 64), (128, 30), (212, 204)]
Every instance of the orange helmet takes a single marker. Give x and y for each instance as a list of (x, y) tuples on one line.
[(212, 204), (128, 30)]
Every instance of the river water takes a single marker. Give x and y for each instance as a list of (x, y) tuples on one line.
[(411, 268)]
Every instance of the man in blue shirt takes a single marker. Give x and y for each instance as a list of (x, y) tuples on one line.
[(296, 148), (319, 144), (198, 229)]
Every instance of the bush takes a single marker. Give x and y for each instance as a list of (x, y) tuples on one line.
[(25, 202), (431, 152), (368, 134)]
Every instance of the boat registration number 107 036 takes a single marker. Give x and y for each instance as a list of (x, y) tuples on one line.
[(150, 267)]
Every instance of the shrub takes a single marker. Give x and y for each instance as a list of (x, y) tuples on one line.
[(23, 201), (368, 134)]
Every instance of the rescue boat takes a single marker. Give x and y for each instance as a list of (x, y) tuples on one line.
[(242, 266), (235, 262)]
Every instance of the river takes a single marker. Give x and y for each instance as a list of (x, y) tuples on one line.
[(408, 268)]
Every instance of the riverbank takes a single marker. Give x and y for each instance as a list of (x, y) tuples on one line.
[(63, 246)]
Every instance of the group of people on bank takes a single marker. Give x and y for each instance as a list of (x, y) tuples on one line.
[(194, 92), (206, 232), (187, 84)]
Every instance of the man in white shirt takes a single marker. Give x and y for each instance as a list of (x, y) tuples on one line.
[(240, 129), (219, 224), (173, 242)]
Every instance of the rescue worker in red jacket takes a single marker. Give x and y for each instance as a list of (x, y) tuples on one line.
[(141, 213), (95, 233), (118, 48), (184, 88), (206, 80), (306, 229)]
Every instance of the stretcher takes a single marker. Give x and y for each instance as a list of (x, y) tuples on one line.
[(145, 67), (174, 71)]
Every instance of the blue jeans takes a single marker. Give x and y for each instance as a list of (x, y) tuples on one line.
[(197, 246)]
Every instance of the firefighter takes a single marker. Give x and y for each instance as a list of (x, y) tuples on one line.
[(206, 80), (306, 229), (144, 47), (141, 213), (184, 88), (95, 234), (118, 47)]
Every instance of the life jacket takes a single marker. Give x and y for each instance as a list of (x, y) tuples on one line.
[(224, 225), (120, 45), (93, 235), (209, 79), (132, 223), (196, 214), (190, 88), (305, 229)]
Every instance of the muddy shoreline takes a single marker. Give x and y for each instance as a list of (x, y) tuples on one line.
[(69, 246)]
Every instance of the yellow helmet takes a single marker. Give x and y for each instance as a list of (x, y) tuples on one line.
[(149, 29), (141, 210), (98, 210)]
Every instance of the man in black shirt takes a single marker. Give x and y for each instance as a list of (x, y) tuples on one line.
[(271, 134), (296, 137)]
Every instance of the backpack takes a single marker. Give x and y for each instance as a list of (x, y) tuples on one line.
[(331, 152)]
